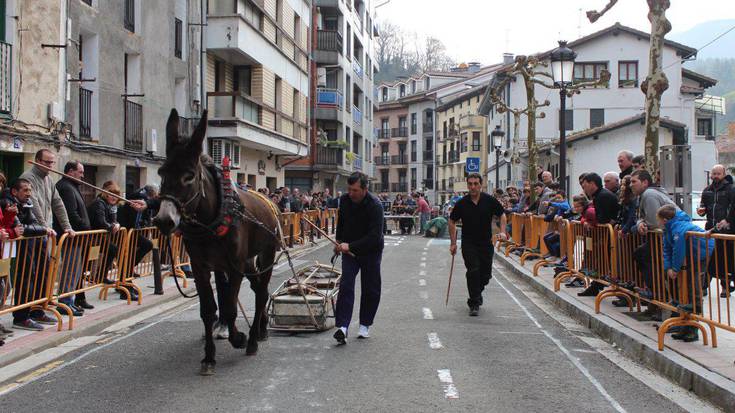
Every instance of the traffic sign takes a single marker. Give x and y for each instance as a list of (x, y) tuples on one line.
[(472, 165)]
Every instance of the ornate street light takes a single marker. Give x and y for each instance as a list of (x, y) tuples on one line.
[(562, 72), (498, 136)]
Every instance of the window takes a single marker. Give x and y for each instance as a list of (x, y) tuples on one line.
[(413, 178), (413, 151), (129, 21), (413, 86), (252, 15), (87, 2), (402, 90), (463, 147), (178, 33), (704, 127), (243, 79), (384, 126), (414, 123), (568, 119), (597, 117), (278, 93), (427, 82), (218, 78), (587, 71), (628, 74), (402, 122), (385, 94), (475, 141)]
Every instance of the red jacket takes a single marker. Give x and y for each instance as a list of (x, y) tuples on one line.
[(8, 223), (588, 215)]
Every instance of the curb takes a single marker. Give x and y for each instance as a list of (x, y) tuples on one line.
[(58, 338), (688, 374)]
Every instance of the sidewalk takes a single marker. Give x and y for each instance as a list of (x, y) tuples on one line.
[(25, 343), (706, 371)]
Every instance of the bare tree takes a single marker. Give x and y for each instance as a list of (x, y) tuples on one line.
[(656, 82)]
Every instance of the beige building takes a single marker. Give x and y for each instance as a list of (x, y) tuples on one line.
[(461, 134)]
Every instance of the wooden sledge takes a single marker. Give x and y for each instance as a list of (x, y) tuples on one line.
[(306, 301)]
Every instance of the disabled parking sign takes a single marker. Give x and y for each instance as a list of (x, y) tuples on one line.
[(472, 165)]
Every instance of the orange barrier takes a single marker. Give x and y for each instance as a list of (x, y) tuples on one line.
[(539, 228), (180, 257), (576, 253), (521, 233), (563, 228)]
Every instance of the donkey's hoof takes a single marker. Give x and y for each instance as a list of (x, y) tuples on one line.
[(252, 348), (239, 340), (263, 336), (207, 369)]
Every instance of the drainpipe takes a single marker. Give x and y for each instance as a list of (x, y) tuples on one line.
[(508, 128), (312, 85), (202, 54)]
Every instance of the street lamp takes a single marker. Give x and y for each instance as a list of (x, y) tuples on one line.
[(562, 71), (497, 136)]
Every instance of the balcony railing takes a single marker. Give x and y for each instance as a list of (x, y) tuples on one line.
[(329, 98), (330, 40), (450, 185), (328, 156), (383, 133), (399, 159), (399, 187), (428, 127), (429, 183), (133, 126), (234, 105), (382, 160), (399, 133), (357, 68), (356, 115), (85, 114), (357, 163), (453, 156), (428, 156), (6, 82), (382, 187)]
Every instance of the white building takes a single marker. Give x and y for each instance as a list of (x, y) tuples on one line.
[(622, 51)]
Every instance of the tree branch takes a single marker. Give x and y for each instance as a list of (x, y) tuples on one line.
[(594, 15)]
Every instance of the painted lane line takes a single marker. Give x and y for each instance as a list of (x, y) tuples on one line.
[(450, 390), (434, 342), (428, 315), (579, 350), (423, 253), (422, 282), (520, 332), (423, 258), (422, 272), (574, 360), (423, 264), (424, 295), (428, 243)]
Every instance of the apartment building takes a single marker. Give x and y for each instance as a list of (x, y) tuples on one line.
[(622, 51), (342, 112), (257, 83), (94, 81)]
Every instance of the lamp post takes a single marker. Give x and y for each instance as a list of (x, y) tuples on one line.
[(562, 71), (497, 136)]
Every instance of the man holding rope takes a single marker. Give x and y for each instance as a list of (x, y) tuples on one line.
[(360, 241), (476, 211)]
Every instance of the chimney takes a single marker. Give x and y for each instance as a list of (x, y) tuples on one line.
[(473, 67), (508, 58)]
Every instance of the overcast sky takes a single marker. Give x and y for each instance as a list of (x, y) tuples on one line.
[(481, 30)]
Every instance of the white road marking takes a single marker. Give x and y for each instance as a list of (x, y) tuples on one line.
[(423, 258), (434, 342), (422, 282), (423, 253), (429, 242), (422, 272), (424, 295), (423, 264), (427, 313), (520, 332), (450, 390), (575, 361), (581, 350)]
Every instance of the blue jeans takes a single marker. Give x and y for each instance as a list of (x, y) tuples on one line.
[(369, 267), (425, 217), (70, 272)]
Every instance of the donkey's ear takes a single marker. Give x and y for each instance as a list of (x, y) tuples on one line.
[(172, 130), (197, 138)]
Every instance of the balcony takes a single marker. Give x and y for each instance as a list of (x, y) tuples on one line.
[(329, 47), (452, 156), (133, 126), (399, 187), (85, 114), (329, 104), (329, 157), (356, 116), (428, 156), (6, 82), (429, 183), (237, 115), (383, 133), (428, 128), (382, 160), (399, 132), (357, 163), (450, 185), (357, 68), (399, 160), (381, 187)]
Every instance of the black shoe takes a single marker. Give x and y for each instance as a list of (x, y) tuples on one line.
[(189, 274), (108, 282), (726, 292), (575, 283), (689, 335), (339, 335), (83, 304), (133, 294), (621, 302), (591, 291), (474, 311), (74, 310)]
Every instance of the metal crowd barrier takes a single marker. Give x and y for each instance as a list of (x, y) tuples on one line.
[(539, 228)]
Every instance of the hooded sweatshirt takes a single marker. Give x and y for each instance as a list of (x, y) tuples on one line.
[(653, 198), (675, 244)]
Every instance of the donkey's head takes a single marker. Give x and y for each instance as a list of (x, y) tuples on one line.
[(181, 173)]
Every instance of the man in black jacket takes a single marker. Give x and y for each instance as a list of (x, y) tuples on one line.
[(717, 203), (29, 282), (360, 232), (139, 214), (71, 254)]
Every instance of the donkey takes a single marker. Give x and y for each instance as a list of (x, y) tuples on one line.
[(191, 203)]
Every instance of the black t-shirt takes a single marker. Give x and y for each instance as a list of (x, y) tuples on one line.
[(476, 219)]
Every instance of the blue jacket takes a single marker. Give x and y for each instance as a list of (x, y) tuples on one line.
[(556, 208), (676, 247), (627, 217)]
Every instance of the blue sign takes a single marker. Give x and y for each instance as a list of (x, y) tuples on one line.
[(472, 165)]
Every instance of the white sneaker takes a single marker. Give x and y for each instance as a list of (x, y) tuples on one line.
[(364, 332)]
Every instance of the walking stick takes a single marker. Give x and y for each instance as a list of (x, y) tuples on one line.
[(325, 235), (79, 181), (449, 286)]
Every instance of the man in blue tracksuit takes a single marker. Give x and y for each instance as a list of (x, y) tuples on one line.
[(678, 252)]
